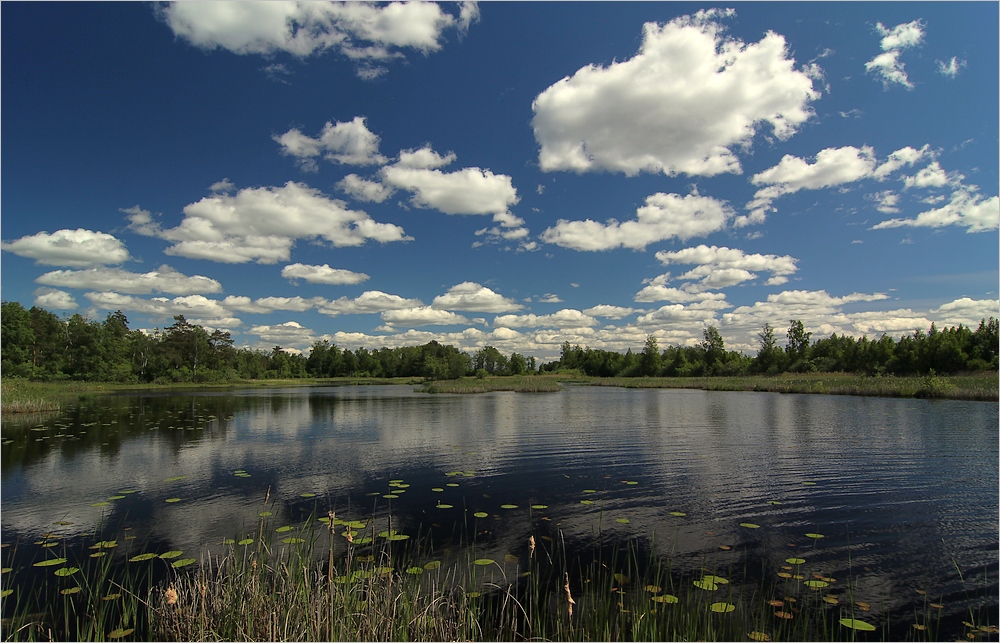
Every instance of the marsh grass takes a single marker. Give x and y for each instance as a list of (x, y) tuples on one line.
[(976, 386), (517, 383)]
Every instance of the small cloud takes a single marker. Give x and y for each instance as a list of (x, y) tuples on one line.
[(549, 298), (757, 234), (857, 241), (540, 189), (950, 68), (907, 241), (52, 299), (277, 73), (853, 113), (574, 285), (225, 185)]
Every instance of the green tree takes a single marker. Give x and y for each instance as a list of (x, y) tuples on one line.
[(17, 337), (649, 360)]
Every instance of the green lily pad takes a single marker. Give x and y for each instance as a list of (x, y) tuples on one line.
[(228, 541), (173, 500), (293, 540), (116, 497), (141, 557), (103, 503), (630, 482), (119, 633), (539, 506), (815, 536), (437, 489), (5, 593), (706, 585), (67, 571), (722, 608), (795, 561), (665, 598), (623, 521), (356, 524), (750, 525), (171, 554), (473, 594), (50, 562), (586, 502), (105, 544), (284, 529), (174, 479), (678, 514), (855, 624), (125, 492), (483, 561), (809, 483), (390, 496), (71, 590), (451, 484), (508, 506), (6, 570), (774, 502), (442, 505), (590, 490), (481, 514), (182, 562), (621, 579), (265, 514), (816, 584), (395, 537), (416, 571), (715, 579), (308, 494), (434, 564), (111, 597), (245, 541)]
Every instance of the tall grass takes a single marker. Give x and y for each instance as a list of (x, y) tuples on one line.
[(518, 383)]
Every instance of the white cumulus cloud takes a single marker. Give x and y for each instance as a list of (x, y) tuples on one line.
[(678, 106), (966, 208), (422, 316), (475, 298), (53, 299), (78, 248), (347, 143), (470, 190), (370, 301), (565, 318), (664, 216), (323, 274), (886, 66), (720, 267), (163, 280)]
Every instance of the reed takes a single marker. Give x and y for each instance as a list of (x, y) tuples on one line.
[(517, 383)]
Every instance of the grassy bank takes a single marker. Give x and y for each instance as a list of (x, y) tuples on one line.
[(518, 383), (318, 584), (25, 396), (978, 386)]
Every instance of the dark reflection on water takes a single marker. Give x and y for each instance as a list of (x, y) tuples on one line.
[(904, 491)]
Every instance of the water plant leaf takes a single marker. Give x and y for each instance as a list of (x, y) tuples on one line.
[(173, 500), (50, 562), (831, 599), (398, 537), (665, 598), (442, 505), (511, 558), (451, 484), (387, 533), (434, 564), (308, 494), (483, 561), (228, 541), (795, 561), (245, 541), (293, 540), (539, 506), (508, 506), (784, 615), (590, 490), (437, 489), (706, 585), (758, 636), (182, 562), (99, 554), (5, 593), (937, 606), (174, 479), (809, 483), (390, 496), (655, 589), (918, 627), (6, 570), (103, 503), (47, 545), (105, 544), (750, 525), (111, 597), (784, 575), (141, 557), (125, 492), (816, 584), (473, 594), (71, 590), (621, 579), (284, 529), (586, 502), (67, 571), (118, 633), (678, 514), (774, 502), (863, 606), (855, 624), (265, 514), (815, 536), (171, 554), (631, 482), (481, 514), (722, 608), (356, 524), (116, 497), (416, 571), (623, 521), (776, 603), (715, 579)]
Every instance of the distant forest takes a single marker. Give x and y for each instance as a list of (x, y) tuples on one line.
[(39, 345)]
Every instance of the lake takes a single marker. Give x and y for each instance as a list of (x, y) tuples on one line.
[(904, 492)]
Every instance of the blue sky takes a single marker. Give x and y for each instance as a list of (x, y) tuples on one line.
[(506, 174)]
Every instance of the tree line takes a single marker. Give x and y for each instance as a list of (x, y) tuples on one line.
[(949, 350), (37, 344)]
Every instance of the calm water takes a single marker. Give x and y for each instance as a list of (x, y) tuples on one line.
[(905, 491)]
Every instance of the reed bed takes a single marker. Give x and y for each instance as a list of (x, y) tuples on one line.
[(517, 383), (340, 581), (975, 387)]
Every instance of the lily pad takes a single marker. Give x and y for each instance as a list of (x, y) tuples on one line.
[(293, 540), (623, 521), (5, 593), (390, 496), (67, 571), (750, 525), (631, 482), (119, 633), (795, 561), (105, 544), (706, 585), (715, 579), (539, 506), (111, 597), (71, 590), (116, 497), (308, 494), (816, 584), (265, 514), (590, 490), (621, 579), (831, 599), (437, 489), (815, 536), (182, 562), (125, 492), (483, 561), (173, 500), (758, 636), (678, 514), (228, 541), (481, 514), (171, 554), (511, 558), (174, 479), (434, 564), (416, 571), (395, 537), (141, 557), (855, 624), (51, 562), (451, 484), (508, 506), (654, 589), (284, 529), (586, 502), (442, 505), (245, 541), (665, 598), (722, 608), (103, 503)]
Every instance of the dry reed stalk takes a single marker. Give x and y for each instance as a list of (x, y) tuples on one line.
[(569, 598)]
